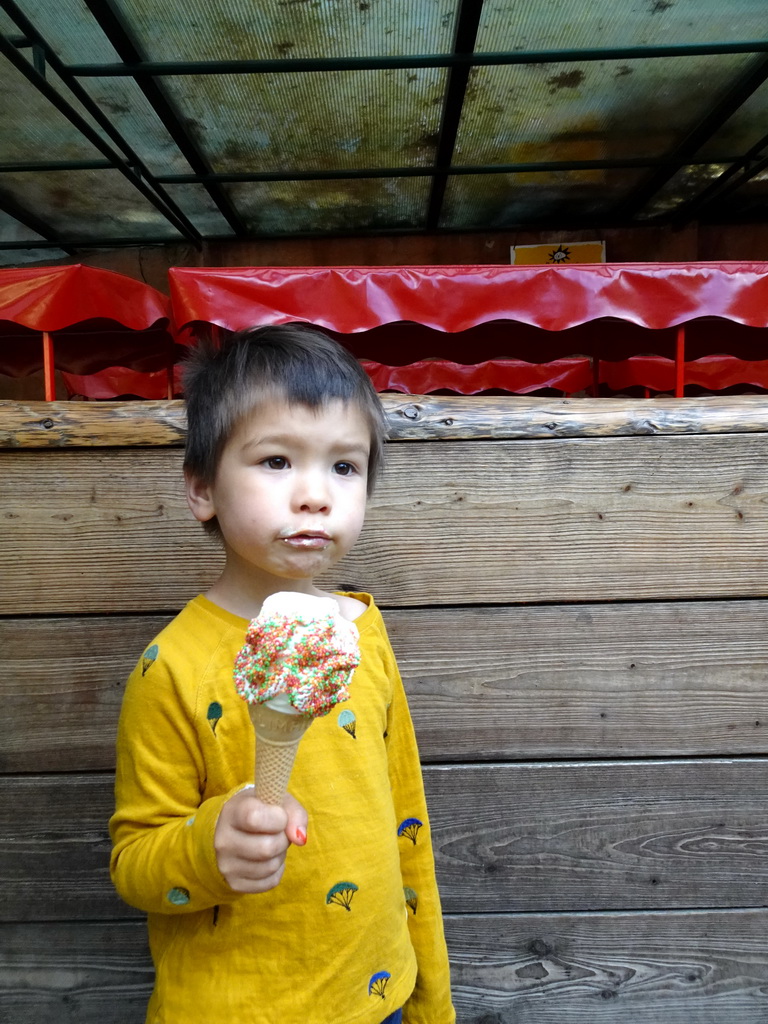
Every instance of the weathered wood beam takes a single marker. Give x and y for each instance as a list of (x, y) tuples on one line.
[(411, 417), (610, 968), (607, 968), (484, 684), (583, 519), (532, 837)]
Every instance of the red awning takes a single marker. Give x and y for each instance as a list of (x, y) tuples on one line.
[(54, 298), (349, 300), (94, 318)]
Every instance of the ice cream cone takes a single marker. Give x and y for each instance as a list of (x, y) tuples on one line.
[(278, 733)]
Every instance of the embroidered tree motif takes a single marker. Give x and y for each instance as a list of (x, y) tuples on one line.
[(411, 898), (214, 714), (149, 658), (347, 722), (410, 827), (377, 986), (342, 894)]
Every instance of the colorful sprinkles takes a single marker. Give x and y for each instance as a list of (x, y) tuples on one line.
[(300, 646)]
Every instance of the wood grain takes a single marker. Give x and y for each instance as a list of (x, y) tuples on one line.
[(61, 686), (628, 968), (410, 417), (84, 972), (625, 968), (530, 837), (471, 523), (484, 684), (572, 836)]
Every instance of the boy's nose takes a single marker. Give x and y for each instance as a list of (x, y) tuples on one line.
[(312, 495)]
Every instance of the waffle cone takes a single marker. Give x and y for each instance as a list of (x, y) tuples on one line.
[(277, 739)]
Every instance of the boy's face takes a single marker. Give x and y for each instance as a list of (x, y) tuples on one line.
[(290, 491)]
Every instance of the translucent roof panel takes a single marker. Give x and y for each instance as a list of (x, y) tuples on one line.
[(690, 180), (31, 129), (332, 207), (746, 203), (593, 110), (200, 208), (242, 29), (131, 113), (576, 24), (743, 130), (12, 231), (474, 201), (313, 121), (89, 204)]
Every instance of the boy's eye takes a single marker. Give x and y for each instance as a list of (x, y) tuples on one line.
[(276, 462), (344, 468)]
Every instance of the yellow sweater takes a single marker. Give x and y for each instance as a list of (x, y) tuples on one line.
[(354, 929)]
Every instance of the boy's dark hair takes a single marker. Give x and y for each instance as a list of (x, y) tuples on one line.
[(298, 363)]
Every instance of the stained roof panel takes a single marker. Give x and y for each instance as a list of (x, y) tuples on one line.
[(743, 130), (332, 207), (574, 24), (508, 200), (68, 202), (589, 110), (242, 29), (316, 120)]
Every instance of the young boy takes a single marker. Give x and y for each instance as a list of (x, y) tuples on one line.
[(323, 910)]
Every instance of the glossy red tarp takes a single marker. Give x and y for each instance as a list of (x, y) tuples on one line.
[(455, 298), (95, 318)]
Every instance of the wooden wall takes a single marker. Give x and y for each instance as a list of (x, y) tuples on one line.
[(576, 591)]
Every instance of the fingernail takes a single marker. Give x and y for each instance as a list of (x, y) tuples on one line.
[(301, 836)]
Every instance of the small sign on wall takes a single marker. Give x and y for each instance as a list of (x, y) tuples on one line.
[(558, 253)]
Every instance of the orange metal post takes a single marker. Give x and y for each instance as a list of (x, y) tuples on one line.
[(48, 368)]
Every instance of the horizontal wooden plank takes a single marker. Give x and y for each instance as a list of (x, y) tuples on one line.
[(61, 686), (603, 835), (485, 684), (470, 523), (410, 417), (638, 968), (563, 837), (84, 972), (559, 681), (632, 968)]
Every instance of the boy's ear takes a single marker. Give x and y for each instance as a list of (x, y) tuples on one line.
[(199, 498)]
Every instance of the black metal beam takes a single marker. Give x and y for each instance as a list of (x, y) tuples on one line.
[(133, 167), (41, 166), (465, 34), (739, 91), (92, 243), (290, 65), (340, 174), (118, 33)]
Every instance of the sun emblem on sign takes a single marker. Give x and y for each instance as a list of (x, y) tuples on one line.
[(559, 255)]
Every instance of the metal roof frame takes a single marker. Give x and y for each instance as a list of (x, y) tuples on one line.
[(117, 154)]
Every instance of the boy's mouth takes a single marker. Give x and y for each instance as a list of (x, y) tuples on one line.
[(312, 539)]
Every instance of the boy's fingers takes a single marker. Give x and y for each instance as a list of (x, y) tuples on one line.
[(251, 815), (296, 829)]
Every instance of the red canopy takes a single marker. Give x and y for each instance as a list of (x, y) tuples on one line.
[(92, 319), (54, 298), (521, 329), (455, 298)]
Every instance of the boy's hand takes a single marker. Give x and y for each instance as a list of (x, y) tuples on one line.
[(252, 838)]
